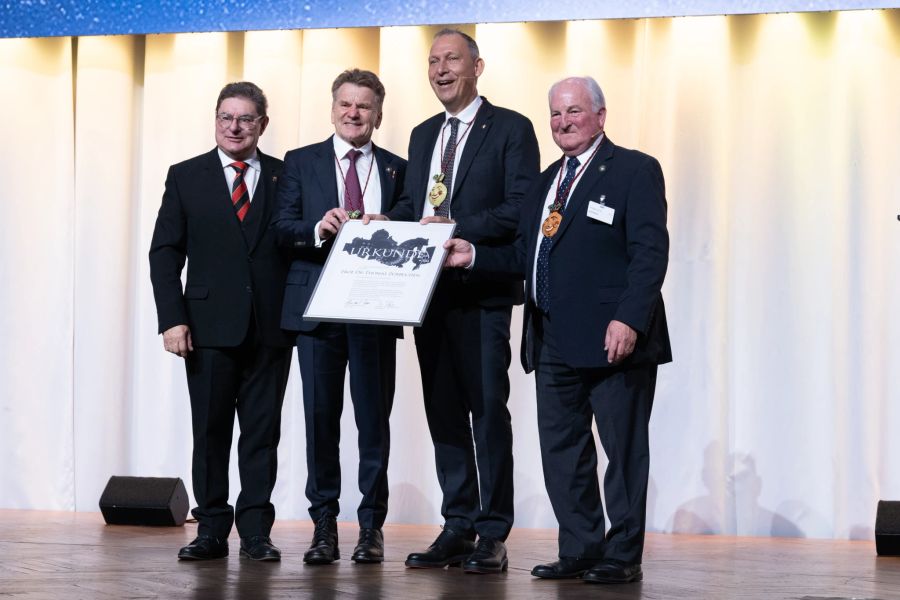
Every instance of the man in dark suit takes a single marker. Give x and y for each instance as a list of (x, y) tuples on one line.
[(593, 249), (470, 165), (323, 186), (215, 214)]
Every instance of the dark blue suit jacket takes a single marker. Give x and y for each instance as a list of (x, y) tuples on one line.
[(499, 163), (599, 271), (307, 190)]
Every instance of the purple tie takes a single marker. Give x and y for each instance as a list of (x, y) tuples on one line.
[(353, 199)]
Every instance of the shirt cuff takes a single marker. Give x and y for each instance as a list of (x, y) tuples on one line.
[(319, 241), (471, 264)]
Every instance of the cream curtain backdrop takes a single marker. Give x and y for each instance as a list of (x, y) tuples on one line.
[(778, 137)]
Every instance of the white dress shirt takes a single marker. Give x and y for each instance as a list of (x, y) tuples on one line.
[(251, 175), (467, 121), (551, 198), (366, 169)]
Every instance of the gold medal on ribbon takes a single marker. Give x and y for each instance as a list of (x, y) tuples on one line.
[(438, 191), (551, 224)]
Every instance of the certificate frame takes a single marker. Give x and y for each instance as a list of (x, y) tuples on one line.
[(381, 273)]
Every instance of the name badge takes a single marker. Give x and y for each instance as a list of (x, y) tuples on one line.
[(601, 212)]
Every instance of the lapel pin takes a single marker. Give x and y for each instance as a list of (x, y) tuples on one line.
[(602, 168), (602, 198)]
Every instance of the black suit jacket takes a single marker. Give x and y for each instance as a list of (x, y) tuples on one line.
[(599, 271), (235, 269), (307, 190), (499, 163)]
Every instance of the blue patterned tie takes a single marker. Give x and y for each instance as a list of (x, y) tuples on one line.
[(543, 259)]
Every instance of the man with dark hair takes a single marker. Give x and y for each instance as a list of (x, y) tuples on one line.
[(470, 165), (593, 249), (324, 185), (215, 214)]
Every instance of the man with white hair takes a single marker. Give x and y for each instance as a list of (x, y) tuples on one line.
[(593, 248)]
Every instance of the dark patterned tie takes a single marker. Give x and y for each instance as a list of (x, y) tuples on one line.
[(447, 162), (543, 260), (240, 197), (353, 200)]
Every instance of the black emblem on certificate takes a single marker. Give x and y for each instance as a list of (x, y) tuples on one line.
[(381, 247)]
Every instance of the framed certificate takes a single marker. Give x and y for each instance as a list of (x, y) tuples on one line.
[(380, 273)]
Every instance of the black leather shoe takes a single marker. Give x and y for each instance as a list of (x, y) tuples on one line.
[(564, 568), (369, 547), (489, 557), (204, 547), (450, 548), (259, 547), (324, 547), (614, 571)]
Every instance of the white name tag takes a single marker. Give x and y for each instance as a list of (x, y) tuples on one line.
[(601, 212)]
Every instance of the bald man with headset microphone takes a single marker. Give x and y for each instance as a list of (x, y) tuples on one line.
[(471, 164)]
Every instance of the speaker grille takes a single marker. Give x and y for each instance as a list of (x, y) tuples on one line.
[(144, 501), (887, 528)]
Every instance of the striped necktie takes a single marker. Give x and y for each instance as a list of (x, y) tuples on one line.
[(240, 197)]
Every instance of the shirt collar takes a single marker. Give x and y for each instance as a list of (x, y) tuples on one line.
[(252, 162), (341, 147), (587, 153), (468, 113)]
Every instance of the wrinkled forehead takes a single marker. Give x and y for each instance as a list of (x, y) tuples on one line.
[(568, 95), (237, 105), (450, 42), (351, 92)]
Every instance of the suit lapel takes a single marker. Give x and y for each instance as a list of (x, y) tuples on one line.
[(535, 219), (426, 149), (257, 218), (325, 176), (476, 136), (387, 173), (219, 197), (594, 172)]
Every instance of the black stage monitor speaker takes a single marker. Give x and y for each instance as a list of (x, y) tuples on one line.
[(887, 528), (144, 501)]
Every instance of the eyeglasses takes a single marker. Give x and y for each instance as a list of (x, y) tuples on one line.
[(245, 122)]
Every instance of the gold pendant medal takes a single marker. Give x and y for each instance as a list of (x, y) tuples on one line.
[(551, 224), (438, 191)]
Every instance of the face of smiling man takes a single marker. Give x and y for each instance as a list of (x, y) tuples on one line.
[(236, 140), (453, 72), (355, 114), (574, 122)]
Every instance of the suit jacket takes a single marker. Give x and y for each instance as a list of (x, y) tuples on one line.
[(235, 270), (599, 271), (307, 190), (498, 165)]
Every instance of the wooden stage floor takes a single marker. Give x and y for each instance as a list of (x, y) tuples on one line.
[(75, 555)]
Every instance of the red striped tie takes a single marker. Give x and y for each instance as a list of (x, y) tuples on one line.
[(239, 195)]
